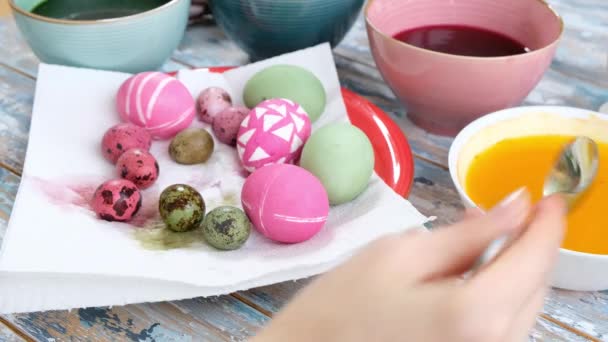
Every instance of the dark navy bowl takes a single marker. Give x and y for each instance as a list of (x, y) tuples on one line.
[(266, 28)]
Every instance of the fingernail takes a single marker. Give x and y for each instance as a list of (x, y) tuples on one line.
[(515, 207)]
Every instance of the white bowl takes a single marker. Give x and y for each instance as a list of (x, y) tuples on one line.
[(574, 270)]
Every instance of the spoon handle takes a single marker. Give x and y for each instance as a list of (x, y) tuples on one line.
[(491, 252)]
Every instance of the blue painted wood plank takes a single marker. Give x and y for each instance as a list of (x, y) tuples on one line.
[(573, 80), (205, 45), (211, 319), (16, 96), (434, 193), (547, 331), (9, 183), (584, 311), (14, 51), (7, 335)]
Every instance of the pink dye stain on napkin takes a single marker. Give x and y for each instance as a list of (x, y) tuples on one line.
[(78, 195)]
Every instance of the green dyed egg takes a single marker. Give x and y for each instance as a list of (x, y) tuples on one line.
[(342, 157), (181, 207), (226, 228), (288, 82)]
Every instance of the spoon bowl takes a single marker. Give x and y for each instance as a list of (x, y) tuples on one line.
[(572, 174), (573, 270), (574, 170)]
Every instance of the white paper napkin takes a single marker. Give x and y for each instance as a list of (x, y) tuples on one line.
[(57, 255)]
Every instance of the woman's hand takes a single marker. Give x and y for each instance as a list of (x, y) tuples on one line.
[(409, 287)]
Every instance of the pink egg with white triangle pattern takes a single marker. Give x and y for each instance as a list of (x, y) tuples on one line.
[(274, 132), (156, 101)]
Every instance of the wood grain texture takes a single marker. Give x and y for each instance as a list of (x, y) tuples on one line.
[(223, 319), (218, 320), (16, 98), (577, 78), (584, 311), (9, 183), (15, 52), (357, 72), (7, 335), (547, 331), (210, 319), (431, 184), (205, 45), (579, 72)]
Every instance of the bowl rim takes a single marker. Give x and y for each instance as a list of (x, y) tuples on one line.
[(461, 57), (38, 17), (502, 115)]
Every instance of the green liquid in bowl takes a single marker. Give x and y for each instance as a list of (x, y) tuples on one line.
[(94, 9)]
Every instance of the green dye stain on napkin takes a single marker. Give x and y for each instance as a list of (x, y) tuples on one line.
[(156, 236)]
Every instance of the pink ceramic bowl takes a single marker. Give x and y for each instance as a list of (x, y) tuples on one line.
[(443, 92)]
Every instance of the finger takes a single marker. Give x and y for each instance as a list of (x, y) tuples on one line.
[(524, 267), (472, 213), (525, 320), (452, 250), (496, 248)]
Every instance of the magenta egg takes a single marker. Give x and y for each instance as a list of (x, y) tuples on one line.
[(156, 101), (213, 101), (285, 203), (123, 137), (226, 124), (116, 200), (138, 166), (274, 132)]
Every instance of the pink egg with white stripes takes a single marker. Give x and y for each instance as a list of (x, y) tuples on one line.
[(158, 102), (285, 203), (274, 132)]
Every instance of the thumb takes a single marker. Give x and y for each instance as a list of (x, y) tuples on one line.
[(472, 213)]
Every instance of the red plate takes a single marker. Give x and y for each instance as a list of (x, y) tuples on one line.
[(394, 162)]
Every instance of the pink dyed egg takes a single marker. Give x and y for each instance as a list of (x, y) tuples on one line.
[(274, 132), (285, 203), (116, 200), (123, 137), (213, 101), (227, 123), (158, 102), (139, 167)]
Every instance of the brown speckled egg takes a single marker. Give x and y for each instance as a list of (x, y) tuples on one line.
[(116, 200), (122, 137), (213, 101), (138, 166), (191, 146), (226, 124)]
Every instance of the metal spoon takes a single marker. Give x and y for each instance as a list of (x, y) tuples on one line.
[(571, 176)]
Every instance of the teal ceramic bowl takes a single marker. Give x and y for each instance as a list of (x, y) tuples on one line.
[(266, 28), (130, 43)]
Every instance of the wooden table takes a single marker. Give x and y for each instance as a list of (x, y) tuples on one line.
[(578, 77)]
